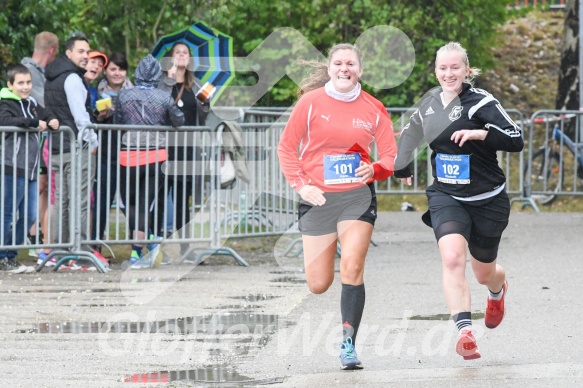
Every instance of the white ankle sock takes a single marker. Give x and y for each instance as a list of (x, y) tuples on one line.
[(497, 296)]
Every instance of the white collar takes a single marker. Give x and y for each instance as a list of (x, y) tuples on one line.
[(342, 96)]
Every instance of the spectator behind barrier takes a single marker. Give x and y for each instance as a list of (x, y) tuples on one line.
[(67, 96), (97, 61), (141, 178), (46, 48), (20, 154), (183, 87), (115, 80)]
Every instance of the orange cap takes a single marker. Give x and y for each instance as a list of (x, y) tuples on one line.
[(95, 54)]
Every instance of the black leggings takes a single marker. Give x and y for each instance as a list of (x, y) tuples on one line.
[(184, 190), (185, 171), (142, 193)]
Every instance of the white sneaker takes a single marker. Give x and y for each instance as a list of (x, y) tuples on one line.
[(12, 266), (141, 264), (27, 268)]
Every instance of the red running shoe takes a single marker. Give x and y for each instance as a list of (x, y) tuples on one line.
[(466, 346), (495, 310), (103, 260)]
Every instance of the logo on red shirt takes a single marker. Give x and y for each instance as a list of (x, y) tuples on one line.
[(358, 123)]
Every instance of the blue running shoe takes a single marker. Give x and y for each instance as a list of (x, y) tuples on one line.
[(153, 244), (348, 357), (154, 252), (42, 256), (137, 262), (134, 258)]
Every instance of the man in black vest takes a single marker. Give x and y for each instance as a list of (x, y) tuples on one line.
[(66, 95)]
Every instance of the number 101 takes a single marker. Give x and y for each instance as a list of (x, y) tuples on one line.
[(343, 169)]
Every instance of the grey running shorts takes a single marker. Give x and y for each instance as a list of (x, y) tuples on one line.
[(359, 204)]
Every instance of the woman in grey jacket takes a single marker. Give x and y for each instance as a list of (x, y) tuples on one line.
[(143, 152)]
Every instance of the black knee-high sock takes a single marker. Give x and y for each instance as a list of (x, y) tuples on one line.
[(351, 308)]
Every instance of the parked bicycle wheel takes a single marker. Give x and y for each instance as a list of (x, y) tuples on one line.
[(546, 176)]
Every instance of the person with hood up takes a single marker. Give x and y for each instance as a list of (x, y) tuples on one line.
[(142, 154)]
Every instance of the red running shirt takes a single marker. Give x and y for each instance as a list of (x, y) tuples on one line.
[(319, 125)]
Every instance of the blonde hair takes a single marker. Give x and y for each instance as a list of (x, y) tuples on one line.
[(456, 47), (318, 77), (45, 40)]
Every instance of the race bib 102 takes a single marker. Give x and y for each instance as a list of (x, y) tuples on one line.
[(453, 169)]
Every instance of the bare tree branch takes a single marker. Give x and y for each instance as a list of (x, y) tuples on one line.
[(155, 27)]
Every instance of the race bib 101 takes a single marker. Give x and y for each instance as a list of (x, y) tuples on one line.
[(341, 168)]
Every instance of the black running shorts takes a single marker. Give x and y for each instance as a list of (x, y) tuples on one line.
[(359, 204), (480, 222)]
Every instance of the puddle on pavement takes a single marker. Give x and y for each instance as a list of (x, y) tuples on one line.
[(98, 305), (150, 279), (233, 323), (299, 271), (256, 297), (289, 279), (441, 317), (244, 333), (235, 307), (211, 374), (59, 291)]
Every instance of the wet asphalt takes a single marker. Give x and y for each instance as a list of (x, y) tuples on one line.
[(229, 326)]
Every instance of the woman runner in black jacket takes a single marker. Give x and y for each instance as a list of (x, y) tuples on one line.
[(468, 204)]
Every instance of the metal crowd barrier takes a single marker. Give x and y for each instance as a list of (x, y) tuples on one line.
[(554, 163), (175, 199), (57, 234), (263, 126), (68, 196), (264, 206), (511, 162)]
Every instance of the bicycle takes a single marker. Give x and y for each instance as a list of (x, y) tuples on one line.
[(547, 168)]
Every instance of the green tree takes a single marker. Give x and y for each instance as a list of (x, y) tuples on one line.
[(428, 24), (21, 20), (131, 26), (134, 26)]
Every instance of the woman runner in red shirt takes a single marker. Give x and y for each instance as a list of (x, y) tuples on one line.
[(324, 153)]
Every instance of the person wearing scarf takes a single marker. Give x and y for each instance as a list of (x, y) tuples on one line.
[(324, 153)]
